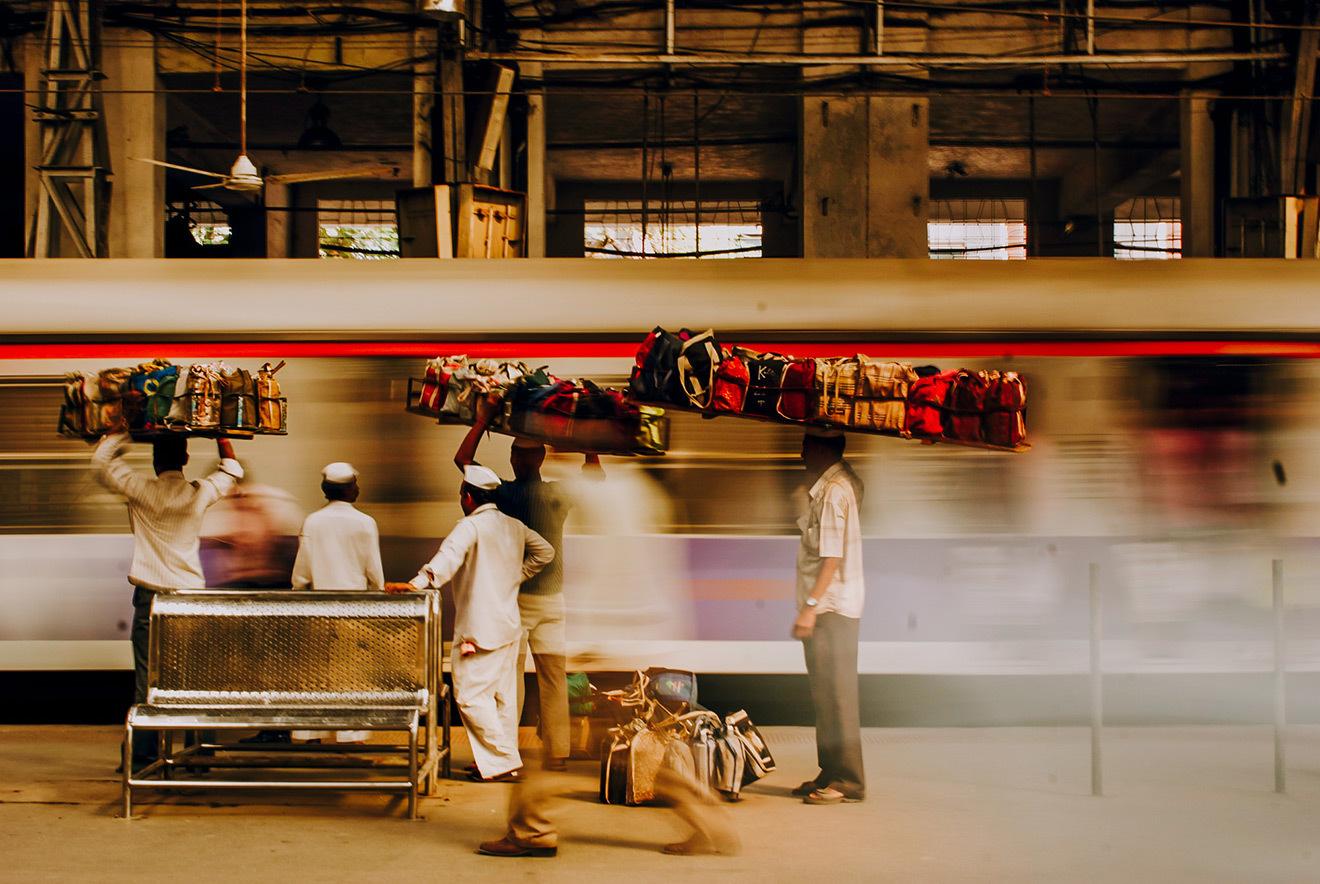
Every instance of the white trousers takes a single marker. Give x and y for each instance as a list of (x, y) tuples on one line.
[(486, 690)]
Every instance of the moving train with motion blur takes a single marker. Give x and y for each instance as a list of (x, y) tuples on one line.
[(1173, 411)]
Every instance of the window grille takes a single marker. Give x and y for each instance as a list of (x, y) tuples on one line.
[(208, 222), (977, 230), (1148, 228), (728, 229), (359, 229)]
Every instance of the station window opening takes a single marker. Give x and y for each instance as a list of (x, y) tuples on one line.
[(725, 229), (208, 222), (977, 230), (365, 230), (1148, 228)]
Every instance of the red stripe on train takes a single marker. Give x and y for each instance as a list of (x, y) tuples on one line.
[(615, 350)]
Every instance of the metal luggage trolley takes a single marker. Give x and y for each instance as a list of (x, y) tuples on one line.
[(226, 661)]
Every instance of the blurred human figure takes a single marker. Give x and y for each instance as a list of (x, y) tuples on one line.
[(830, 595), (532, 832), (543, 507), (338, 548), (165, 512), (250, 539), (486, 556)]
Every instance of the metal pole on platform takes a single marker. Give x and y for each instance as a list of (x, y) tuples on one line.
[(1279, 696), (1097, 696)]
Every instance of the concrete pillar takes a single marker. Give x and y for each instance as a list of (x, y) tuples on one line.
[(865, 184), (424, 85), (135, 124), (279, 227), (32, 57), (537, 191), (1197, 137)]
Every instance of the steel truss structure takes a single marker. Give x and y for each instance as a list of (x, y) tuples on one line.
[(75, 155)]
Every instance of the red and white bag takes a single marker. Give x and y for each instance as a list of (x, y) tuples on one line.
[(730, 388)]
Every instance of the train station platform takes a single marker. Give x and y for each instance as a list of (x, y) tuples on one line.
[(945, 805)]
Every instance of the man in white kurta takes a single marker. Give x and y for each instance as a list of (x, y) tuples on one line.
[(486, 558), (338, 548)]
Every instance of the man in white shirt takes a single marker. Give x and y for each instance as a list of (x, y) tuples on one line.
[(165, 512), (338, 548), (830, 595), (486, 557)]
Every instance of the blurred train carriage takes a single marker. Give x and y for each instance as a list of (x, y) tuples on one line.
[(1173, 431)]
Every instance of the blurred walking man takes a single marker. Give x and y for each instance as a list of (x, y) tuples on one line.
[(165, 512), (486, 556), (830, 595)]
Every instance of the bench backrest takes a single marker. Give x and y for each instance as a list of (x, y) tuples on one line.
[(288, 648)]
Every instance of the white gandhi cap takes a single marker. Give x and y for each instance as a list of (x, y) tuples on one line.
[(339, 473), (480, 477)]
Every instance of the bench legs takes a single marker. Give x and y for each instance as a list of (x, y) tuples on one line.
[(128, 770)]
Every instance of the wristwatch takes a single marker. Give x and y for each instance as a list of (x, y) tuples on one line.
[(811, 603)]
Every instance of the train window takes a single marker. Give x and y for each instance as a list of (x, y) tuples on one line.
[(977, 230), (725, 229), (359, 229), (1148, 228)]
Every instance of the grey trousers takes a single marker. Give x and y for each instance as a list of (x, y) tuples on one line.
[(831, 655)]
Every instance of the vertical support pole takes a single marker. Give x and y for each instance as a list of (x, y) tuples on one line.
[(1279, 695), (646, 160), (1097, 685), (669, 27), (879, 27), (1090, 27), (424, 89), (696, 167)]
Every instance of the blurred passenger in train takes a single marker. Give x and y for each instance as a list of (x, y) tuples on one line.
[(165, 512), (543, 507), (487, 556), (830, 594), (338, 548)]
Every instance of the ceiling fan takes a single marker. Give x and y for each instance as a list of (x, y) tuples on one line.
[(243, 176)]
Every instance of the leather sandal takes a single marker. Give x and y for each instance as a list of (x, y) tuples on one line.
[(829, 796), (511, 846), (806, 789)]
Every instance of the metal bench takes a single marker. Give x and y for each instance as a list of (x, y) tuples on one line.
[(229, 661)]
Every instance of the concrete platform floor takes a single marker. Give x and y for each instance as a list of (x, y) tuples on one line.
[(947, 805)]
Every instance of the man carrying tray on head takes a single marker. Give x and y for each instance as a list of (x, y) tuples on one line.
[(543, 507), (486, 556), (165, 512)]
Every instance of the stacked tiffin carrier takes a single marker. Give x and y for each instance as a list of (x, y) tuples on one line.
[(204, 399), (979, 408), (571, 415)]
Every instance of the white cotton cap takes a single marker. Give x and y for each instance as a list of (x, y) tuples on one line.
[(339, 473), (480, 477), (824, 433)]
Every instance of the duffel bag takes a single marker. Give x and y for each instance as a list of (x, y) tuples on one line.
[(157, 384), (651, 432), (700, 356), (795, 389), (967, 405), (757, 760), (730, 388), (435, 385), (238, 400), (110, 403), (1005, 400), (271, 414), (630, 767), (927, 403), (74, 410), (674, 689), (882, 390), (655, 377), (765, 376)]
